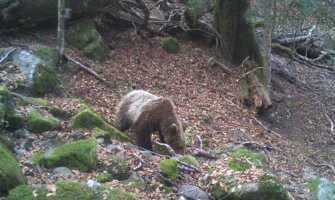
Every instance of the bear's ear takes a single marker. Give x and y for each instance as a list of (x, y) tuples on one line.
[(174, 129)]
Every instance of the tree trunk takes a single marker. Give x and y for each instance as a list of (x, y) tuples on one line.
[(267, 7), (60, 29)]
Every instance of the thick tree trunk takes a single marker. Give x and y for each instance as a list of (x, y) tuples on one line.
[(29, 13)]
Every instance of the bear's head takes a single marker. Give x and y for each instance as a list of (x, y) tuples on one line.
[(176, 138)]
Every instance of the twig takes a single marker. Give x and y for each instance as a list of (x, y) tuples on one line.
[(266, 128), (7, 53), (88, 69), (331, 124), (249, 72)]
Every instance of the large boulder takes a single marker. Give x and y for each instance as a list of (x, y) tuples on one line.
[(10, 172), (38, 122), (322, 189), (31, 72), (86, 38), (81, 155), (68, 190), (89, 119)]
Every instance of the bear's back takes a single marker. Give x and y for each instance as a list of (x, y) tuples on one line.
[(137, 100)]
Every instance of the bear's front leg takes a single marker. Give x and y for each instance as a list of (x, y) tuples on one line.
[(144, 140)]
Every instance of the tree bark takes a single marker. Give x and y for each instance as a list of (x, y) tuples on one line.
[(266, 71), (60, 29)]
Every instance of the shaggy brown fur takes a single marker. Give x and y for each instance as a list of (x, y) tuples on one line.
[(146, 113)]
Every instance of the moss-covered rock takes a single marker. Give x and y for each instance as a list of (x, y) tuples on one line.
[(169, 168), (58, 112), (87, 118), (85, 37), (26, 101), (119, 194), (322, 189), (171, 45), (219, 191), (256, 159), (68, 190), (28, 192), (189, 160), (8, 143), (39, 70), (239, 165), (135, 184), (10, 172), (272, 188), (38, 123), (104, 177), (47, 54), (4, 102), (15, 121), (118, 168), (81, 155)]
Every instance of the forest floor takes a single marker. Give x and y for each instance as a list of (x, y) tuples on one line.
[(207, 99)]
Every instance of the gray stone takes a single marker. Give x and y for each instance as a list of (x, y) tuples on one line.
[(93, 184), (278, 96), (63, 171), (325, 190), (52, 143), (191, 192), (249, 191)]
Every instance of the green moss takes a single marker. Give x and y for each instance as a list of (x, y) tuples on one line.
[(7, 142), (118, 168), (272, 189), (198, 7), (68, 190), (10, 172), (4, 94), (119, 194), (81, 155), (96, 51), (15, 121), (314, 187), (189, 160), (4, 102), (257, 159), (26, 101), (38, 123), (219, 191), (45, 80), (47, 54), (58, 112), (247, 44), (238, 165), (85, 33), (171, 45), (86, 38), (87, 118), (135, 184), (169, 167), (28, 192), (104, 177)]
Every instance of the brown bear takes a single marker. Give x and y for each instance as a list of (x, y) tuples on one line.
[(146, 113)]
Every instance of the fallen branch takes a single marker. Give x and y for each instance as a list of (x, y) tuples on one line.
[(299, 57), (331, 124), (266, 128), (7, 53), (249, 72), (213, 62), (88, 69)]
